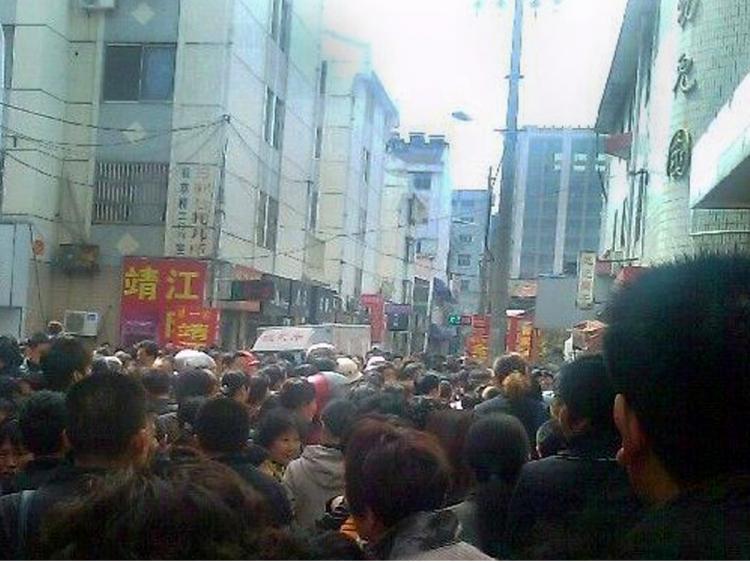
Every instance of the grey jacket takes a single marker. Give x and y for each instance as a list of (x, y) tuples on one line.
[(312, 480)]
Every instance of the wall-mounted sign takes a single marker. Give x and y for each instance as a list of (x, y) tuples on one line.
[(680, 152), (586, 277)]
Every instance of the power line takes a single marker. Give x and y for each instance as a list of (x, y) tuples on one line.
[(98, 127)]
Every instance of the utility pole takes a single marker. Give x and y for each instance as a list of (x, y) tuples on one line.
[(501, 249), (484, 266)]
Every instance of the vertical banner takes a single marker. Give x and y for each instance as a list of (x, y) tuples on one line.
[(160, 291), (375, 305), (478, 343), (586, 277), (190, 213)]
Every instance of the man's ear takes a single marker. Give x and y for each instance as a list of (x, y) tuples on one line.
[(634, 442)]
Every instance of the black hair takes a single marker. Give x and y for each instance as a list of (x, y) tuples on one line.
[(497, 447), (104, 413), (42, 421), (305, 370), (427, 383), (411, 371), (419, 408), (274, 373), (296, 393), (587, 391), (338, 417), (100, 366), (10, 352), (194, 382), (192, 509), (37, 339), (157, 383), (272, 425), (676, 348), (324, 363), (232, 382), (66, 357), (222, 425), (11, 431), (150, 347), (187, 411), (549, 438), (257, 389)]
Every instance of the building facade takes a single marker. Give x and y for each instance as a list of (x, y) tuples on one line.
[(359, 118), (164, 128), (674, 111), (425, 162), (469, 216), (558, 201)]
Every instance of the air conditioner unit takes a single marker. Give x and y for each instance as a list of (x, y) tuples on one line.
[(98, 4), (79, 323)]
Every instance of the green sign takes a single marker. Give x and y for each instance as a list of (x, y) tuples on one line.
[(454, 320)]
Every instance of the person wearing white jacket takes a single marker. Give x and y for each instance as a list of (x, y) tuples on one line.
[(318, 474)]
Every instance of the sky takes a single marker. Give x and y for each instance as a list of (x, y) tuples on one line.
[(439, 56)]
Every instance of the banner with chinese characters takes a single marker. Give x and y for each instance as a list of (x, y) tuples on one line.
[(192, 328), (375, 305), (152, 288), (190, 214), (477, 344)]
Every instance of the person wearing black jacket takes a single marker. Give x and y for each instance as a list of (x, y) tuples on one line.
[(577, 503), (222, 427), (108, 430)]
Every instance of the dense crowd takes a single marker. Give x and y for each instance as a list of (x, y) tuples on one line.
[(151, 453)]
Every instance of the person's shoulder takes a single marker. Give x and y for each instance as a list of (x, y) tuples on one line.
[(457, 551), (493, 405)]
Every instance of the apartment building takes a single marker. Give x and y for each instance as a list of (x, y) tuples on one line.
[(164, 128)]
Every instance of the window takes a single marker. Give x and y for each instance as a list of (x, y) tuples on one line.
[(9, 32), (464, 260), (465, 285), (466, 238), (281, 23), (642, 180), (267, 220), (132, 193), (422, 181), (366, 162), (312, 206), (467, 204), (358, 279), (557, 160), (318, 142), (410, 250), (139, 72), (323, 77), (274, 109), (579, 161)]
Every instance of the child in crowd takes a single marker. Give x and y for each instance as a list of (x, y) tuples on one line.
[(279, 434)]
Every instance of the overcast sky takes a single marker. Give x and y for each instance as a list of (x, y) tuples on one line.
[(439, 56)]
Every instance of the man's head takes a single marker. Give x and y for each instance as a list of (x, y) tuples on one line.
[(55, 328), (427, 385), (107, 422), (507, 364), (246, 362), (392, 473), (222, 426), (42, 421), (67, 362), (146, 353), (586, 396), (157, 383), (676, 348), (194, 382), (298, 395), (10, 353), (38, 346), (324, 364), (338, 417)]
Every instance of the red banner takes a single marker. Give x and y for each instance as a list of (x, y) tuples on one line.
[(478, 343), (155, 289), (375, 305), (184, 327)]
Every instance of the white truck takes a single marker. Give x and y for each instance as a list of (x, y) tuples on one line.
[(350, 339)]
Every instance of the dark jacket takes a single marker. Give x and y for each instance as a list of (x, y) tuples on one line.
[(37, 473), (711, 522), (425, 536), (68, 482), (576, 504), (531, 413), (276, 500)]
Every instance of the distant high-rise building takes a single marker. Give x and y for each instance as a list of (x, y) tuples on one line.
[(558, 201), (468, 231)]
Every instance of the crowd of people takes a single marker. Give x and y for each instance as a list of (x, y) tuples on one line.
[(150, 453)]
